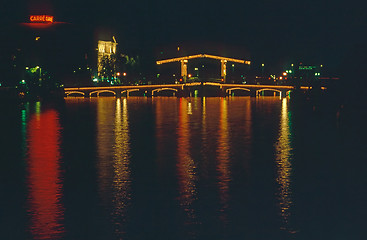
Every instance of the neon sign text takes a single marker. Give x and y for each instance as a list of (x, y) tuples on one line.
[(41, 18)]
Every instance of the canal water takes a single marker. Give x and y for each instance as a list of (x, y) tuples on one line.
[(181, 168)]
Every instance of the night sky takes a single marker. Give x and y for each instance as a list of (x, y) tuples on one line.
[(273, 32)]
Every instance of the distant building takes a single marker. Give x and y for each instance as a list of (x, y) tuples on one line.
[(105, 49)]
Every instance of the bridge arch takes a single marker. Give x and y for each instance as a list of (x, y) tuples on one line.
[(74, 92), (127, 91), (163, 89), (229, 90), (101, 91), (268, 89)]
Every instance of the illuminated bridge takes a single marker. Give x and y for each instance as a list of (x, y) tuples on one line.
[(181, 90), (184, 61)]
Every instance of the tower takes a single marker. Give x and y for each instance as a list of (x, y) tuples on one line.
[(105, 49)]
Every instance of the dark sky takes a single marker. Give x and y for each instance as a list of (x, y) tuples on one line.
[(274, 32)]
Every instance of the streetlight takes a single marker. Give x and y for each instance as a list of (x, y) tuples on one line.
[(40, 78)]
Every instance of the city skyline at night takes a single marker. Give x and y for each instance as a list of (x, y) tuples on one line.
[(187, 120), (273, 33)]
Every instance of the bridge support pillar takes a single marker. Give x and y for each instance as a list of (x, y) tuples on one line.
[(148, 93), (222, 92), (181, 93), (253, 93), (283, 94), (118, 94), (223, 70), (184, 70)]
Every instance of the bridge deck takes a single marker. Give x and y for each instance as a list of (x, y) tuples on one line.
[(181, 86), (181, 89)]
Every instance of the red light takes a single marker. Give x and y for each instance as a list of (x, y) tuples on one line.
[(41, 18), (180, 79)]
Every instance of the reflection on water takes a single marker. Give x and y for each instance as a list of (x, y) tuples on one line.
[(113, 144), (186, 168), (223, 165), (24, 121), (44, 181), (105, 140), (166, 118), (284, 167), (121, 165), (204, 140), (210, 176)]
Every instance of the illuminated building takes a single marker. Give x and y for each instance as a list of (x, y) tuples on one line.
[(105, 49)]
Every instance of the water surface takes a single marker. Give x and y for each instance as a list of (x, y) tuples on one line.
[(180, 168)]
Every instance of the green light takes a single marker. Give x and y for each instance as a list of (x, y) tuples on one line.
[(24, 116), (24, 130), (306, 67)]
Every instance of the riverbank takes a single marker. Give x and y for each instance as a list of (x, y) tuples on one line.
[(18, 94)]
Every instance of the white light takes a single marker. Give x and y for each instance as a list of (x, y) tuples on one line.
[(95, 80)]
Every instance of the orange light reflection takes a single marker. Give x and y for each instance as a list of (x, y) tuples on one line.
[(223, 159), (284, 167), (186, 168), (121, 165), (105, 141)]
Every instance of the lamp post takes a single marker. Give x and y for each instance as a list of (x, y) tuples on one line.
[(40, 76)]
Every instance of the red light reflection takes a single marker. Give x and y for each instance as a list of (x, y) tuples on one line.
[(44, 183)]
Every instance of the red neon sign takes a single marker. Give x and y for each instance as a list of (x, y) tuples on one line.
[(41, 18)]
